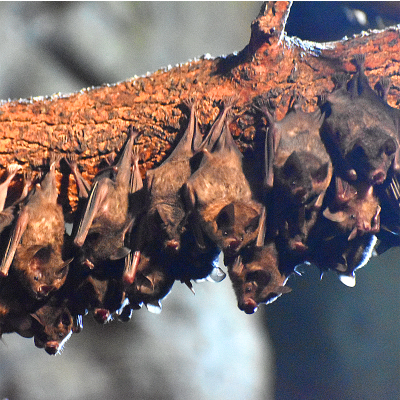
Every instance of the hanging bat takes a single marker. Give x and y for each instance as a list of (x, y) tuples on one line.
[(298, 169), (355, 209), (219, 195), (359, 130), (345, 256), (36, 243), (53, 325), (166, 211), (152, 281), (100, 295), (106, 220), (256, 277)]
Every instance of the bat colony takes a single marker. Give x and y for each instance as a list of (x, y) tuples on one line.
[(330, 195)]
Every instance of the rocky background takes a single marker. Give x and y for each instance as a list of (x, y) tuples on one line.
[(322, 341)]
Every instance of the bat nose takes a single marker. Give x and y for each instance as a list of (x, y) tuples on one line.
[(51, 347), (378, 177), (101, 315), (44, 290), (234, 244), (249, 306), (173, 244)]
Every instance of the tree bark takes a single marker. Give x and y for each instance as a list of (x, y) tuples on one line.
[(92, 123)]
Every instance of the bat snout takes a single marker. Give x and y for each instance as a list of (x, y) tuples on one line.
[(249, 306), (101, 315), (44, 290), (51, 347), (378, 177)]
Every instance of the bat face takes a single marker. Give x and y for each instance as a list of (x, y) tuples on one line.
[(347, 256), (257, 279), (355, 209), (302, 178), (151, 284), (46, 272), (236, 225), (54, 326)]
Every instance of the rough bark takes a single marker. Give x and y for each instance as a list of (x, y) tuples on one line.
[(92, 123)]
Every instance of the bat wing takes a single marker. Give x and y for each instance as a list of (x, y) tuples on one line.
[(16, 236), (97, 196)]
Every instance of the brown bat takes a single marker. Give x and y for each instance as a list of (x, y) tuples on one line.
[(256, 278), (298, 169), (53, 325), (152, 281), (36, 243), (355, 209), (345, 256), (219, 195), (106, 220), (102, 296), (359, 130), (165, 205)]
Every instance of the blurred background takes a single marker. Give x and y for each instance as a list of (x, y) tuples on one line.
[(322, 341)]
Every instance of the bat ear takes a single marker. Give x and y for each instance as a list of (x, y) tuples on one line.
[(262, 226), (268, 295), (271, 143), (338, 216), (237, 266), (37, 318), (292, 164), (226, 217), (165, 214), (353, 234), (321, 173), (121, 252)]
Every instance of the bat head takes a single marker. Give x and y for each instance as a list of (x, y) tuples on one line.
[(44, 272), (258, 279), (302, 177), (172, 221), (237, 224), (53, 327), (354, 212), (151, 284)]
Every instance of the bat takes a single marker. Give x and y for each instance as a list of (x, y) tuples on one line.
[(53, 325), (345, 256), (219, 195), (354, 210), (106, 219), (256, 277), (152, 281), (298, 170), (166, 211), (36, 243), (359, 130)]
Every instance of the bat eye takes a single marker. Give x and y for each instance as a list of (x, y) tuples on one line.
[(36, 278), (352, 216), (225, 233), (248, 289)]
